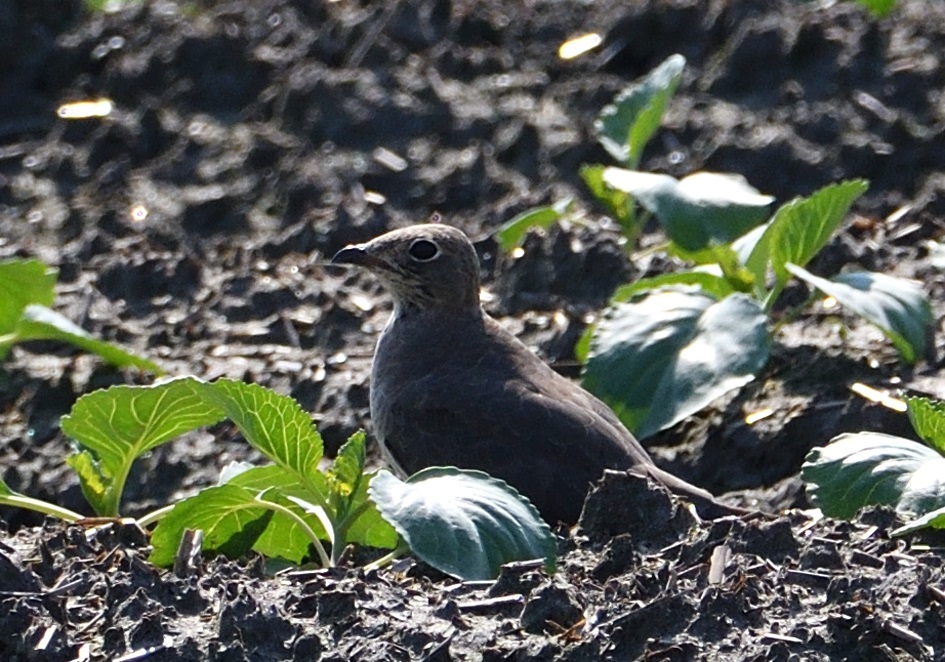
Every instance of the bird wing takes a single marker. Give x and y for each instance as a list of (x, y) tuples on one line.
[(549, 441)]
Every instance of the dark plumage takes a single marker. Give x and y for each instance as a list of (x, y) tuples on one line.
[(450, 386)]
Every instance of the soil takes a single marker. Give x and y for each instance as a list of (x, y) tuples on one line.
[(250, 140)]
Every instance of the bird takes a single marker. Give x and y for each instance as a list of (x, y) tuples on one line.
[(450, 386)]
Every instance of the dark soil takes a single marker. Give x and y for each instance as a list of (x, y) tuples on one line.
[(261, 136)]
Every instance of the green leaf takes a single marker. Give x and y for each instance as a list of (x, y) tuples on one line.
[(41, 323), (23, 282), (369, 527), (512, 233), (720, 260), (754, 264), (231, 518), (696, 211), (116, 425), (626, 126), (280, 429), (870, 468), (263, 478), (745, 245), (932, 520), (26, 292), (96, 482), (928, 420), (464, 523), (582, 348), (284, 537), (709, 283), (234, 469), (273, 424), (801, 228), (347, 496), (357, 519), (668, 355), (119, 421), (898, 307), (879, 8), (346, 471), (617, 203)]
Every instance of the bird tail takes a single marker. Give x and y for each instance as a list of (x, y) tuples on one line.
[(707, 505)]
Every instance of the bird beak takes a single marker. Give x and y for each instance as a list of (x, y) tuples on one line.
[(356, 254)]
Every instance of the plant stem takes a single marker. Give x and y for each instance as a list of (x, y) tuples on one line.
[(154, 516), (340, 537), (401, 549), (773, 296), (113, 491), (39, 506), (319, 548), (655, 248), (632, 224)]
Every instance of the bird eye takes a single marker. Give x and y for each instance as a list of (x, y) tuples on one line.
[(423, 250)]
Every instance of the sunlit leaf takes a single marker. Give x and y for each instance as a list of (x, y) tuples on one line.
[(712, 284), (9, 497), (95, 480), (664, 357), (23, 282), (879, 8), (274, 424), (230, 517), (42, 323), (696, 211), (720, 260), (617, 203), (900, 308), (928, 420), (755, 263), (368, 527), (626, 126), (931, 520), (801, 228), (283, 537), (582, 348), (513, 232), (345, 492), (870, 468), (348, 466), (464, 523), (118, 424), (26, 292)]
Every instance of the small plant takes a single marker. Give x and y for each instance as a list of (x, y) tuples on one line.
[(27, 289), (108, 6), (870, 468), (878, 8), (670, 344), (288, 508)]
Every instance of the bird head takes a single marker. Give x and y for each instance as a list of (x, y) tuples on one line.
[(425, 267)]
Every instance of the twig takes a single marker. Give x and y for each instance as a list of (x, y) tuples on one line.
[(371, 35)]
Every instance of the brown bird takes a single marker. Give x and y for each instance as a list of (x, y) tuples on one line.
[(451, 387)]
